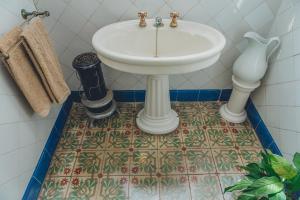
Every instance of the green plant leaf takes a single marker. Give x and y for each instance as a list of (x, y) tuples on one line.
[(265, 186), (266, 164), (296, 160), (282, 167), (278, 196), (294, 184), (241, 185), (247, 197), (254, 170)]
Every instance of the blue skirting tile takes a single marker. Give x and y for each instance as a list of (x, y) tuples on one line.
[(139, 95), (209, 95), (252, 113), (124, 95), (173, 95), (274, 148), (266, 138), (225, 94), (75, 96), (187, 95), (32, 190), (42, 166), (52, 141)]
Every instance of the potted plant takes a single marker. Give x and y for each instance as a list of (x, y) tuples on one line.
[(273, 178)]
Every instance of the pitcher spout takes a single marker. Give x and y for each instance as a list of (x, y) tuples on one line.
[(270, 44), (256, 37)]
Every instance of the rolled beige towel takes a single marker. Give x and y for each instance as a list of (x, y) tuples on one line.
[(22, 71), (45, 59)]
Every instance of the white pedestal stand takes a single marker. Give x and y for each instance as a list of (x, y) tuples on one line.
[(234, 110), (157, 117)]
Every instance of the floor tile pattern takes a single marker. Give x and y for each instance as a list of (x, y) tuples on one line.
[(113, 159)]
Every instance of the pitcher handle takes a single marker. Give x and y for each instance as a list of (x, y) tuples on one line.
[(276, 43)]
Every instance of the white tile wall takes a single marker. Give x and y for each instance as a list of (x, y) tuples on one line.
[(75, 21), (278, 100), (71, 26), (22, 134)]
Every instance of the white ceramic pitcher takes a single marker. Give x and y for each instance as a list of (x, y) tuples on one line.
[(252, 64)]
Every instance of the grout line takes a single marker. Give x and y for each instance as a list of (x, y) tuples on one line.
[(37, 180), (255, 128), (220, 95)]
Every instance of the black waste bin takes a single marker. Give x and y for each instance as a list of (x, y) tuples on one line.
[(91, 76)]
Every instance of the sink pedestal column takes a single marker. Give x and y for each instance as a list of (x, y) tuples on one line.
[(157, 117)]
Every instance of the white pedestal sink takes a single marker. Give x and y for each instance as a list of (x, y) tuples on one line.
[(158, 52)]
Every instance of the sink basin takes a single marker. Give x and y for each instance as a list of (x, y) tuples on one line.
[(158, 52)]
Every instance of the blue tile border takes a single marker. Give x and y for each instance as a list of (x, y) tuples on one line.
[(261, 129), (38, 176), (175, 95), (40, 171)]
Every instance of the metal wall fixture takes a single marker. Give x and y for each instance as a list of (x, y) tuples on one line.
[(25, 14)]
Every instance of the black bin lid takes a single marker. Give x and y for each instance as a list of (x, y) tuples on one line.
[(86, 61)]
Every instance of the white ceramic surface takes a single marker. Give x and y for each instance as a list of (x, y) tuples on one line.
[(189, 47), (252, 64), (72, 24), (248, 70), (158, 52)]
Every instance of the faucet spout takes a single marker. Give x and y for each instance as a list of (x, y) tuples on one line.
[(158, 22)]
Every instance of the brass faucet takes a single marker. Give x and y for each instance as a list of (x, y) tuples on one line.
[(174, 16), (142, 16)]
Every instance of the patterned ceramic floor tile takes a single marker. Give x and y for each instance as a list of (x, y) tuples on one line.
[(82, 188), (245, 138), (205, 187), (190, 121), (144, 162), (250, 155), (70, 140), (170, 141), (219, 138), (228, 180), (227, 160), (144, 187), (77, 119), (172, 162), (174, 187), (88, 163), (124, 121), (102, 124), (119, 139), (94, 140), (116, 162), (113, 187), (195, 138), (54, 188), (200, 161), (62, 163), (245, 124), (142, 140), (112, 159)]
